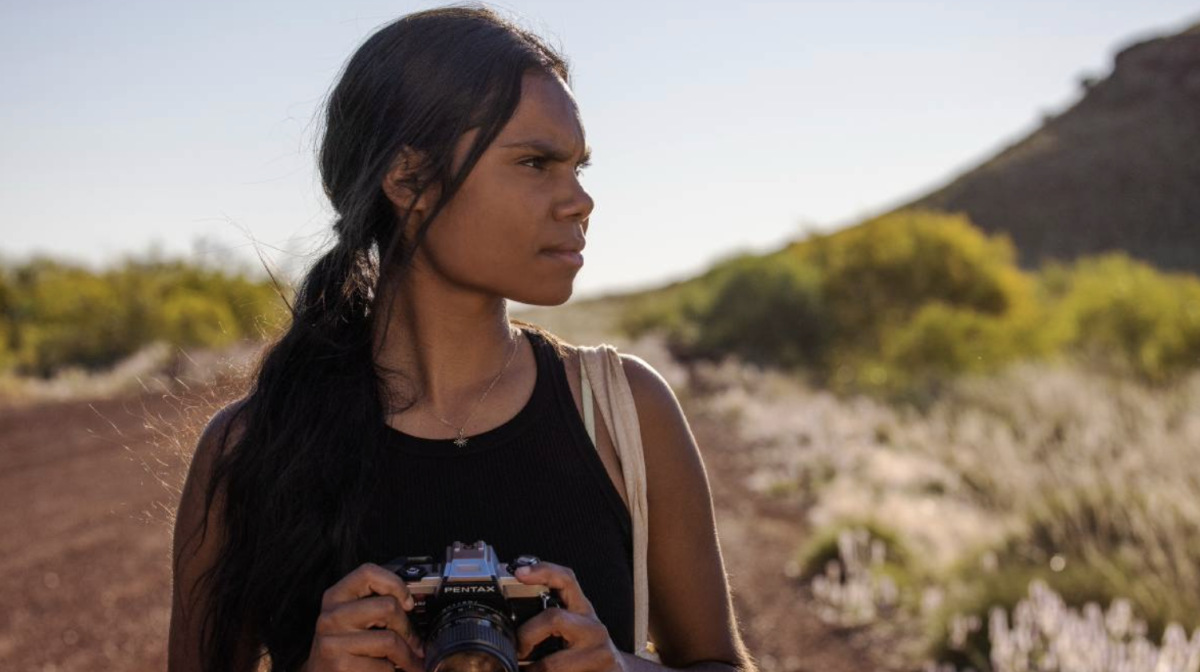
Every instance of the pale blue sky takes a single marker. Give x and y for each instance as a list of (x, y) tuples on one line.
[(716, 127)]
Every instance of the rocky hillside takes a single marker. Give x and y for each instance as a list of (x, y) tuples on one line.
[(1118, 170)]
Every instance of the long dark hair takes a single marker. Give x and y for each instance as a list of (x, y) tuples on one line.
[(311, 425)]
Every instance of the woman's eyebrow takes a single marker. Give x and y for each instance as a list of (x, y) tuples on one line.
[(549, 150)]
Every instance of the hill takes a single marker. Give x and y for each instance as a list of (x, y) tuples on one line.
[(1119, 170)]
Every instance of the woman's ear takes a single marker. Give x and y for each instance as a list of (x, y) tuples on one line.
[(400, 182)]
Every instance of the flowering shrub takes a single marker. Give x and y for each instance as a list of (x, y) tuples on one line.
[(1045, 634), (853, 589)]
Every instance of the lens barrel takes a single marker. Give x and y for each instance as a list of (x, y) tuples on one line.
[(472, 637)]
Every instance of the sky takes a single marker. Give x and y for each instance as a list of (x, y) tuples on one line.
[(717, 127)]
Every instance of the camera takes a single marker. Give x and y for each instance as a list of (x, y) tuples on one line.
[(468, 609)]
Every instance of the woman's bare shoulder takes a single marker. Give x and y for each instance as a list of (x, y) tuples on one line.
[(222, 430), (194, 548), (648, 384)]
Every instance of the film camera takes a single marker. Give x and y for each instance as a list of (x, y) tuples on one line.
[(469, 608)]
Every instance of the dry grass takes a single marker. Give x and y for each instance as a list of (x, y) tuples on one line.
[(155, 368), (1051, 468)]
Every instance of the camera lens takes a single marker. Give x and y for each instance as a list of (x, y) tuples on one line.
[(471, 637)]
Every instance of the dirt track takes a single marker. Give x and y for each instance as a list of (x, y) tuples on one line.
[(85, 494)]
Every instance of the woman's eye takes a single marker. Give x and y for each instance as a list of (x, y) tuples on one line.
[(538, 163)]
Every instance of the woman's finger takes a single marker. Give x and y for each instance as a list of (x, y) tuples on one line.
[(561, 579), (381, 644), (382, 611), (575, 629), (369, 579)]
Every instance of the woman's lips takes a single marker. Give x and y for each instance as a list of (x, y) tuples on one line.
[(572, 258)]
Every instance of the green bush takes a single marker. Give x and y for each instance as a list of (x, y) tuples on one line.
[(896, 302), (880, 274), (671, 311), (191, 319), (54, 314), (1125, 314), (8, 358), (675, 310), (65, 315), (7, 337), (904, 302), (766, 311), (941, 342)]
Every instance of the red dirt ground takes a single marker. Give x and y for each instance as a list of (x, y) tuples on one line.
[(86, 490)]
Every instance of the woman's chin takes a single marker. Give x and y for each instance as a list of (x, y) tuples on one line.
[(549, 294)]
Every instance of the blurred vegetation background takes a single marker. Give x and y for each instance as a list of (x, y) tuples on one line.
[(904, 303), (897, 305), (57, 317)]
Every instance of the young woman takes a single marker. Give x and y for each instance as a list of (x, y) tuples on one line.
[(404, 410)]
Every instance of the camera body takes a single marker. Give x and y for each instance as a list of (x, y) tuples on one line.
[(468, 608)]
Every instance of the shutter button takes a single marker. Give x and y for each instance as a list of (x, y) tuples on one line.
[(414, 572), (523, 561)]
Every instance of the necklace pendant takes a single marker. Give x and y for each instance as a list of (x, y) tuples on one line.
[(460, 441)]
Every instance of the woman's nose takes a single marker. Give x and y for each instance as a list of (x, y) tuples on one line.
[(578, 205)]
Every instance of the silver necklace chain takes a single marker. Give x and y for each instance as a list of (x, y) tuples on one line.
[(461, 440)]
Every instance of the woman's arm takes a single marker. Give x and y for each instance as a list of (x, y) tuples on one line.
[(195, 549), (692, 622)]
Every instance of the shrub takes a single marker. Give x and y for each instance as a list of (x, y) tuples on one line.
[(878, 275), (857, 573), (902, 303), (65, 315), (766, 311), (1123, 313), (1146, 544), (54, 314), (191, 319), (7, 356), (959, 632), (671, 311), (855, 304), (917, 359), (942, 340), (824, 546)]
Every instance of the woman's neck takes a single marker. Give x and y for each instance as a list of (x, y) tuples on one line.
[(447, 342)]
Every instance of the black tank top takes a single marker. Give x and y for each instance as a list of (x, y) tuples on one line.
[(533, 485)]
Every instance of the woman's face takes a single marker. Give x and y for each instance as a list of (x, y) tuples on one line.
[(522, 199)]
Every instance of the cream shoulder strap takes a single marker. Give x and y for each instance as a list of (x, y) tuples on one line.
[(603, 376)]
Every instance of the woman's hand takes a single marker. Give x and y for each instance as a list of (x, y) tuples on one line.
[(364, 625), (588, 645)]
